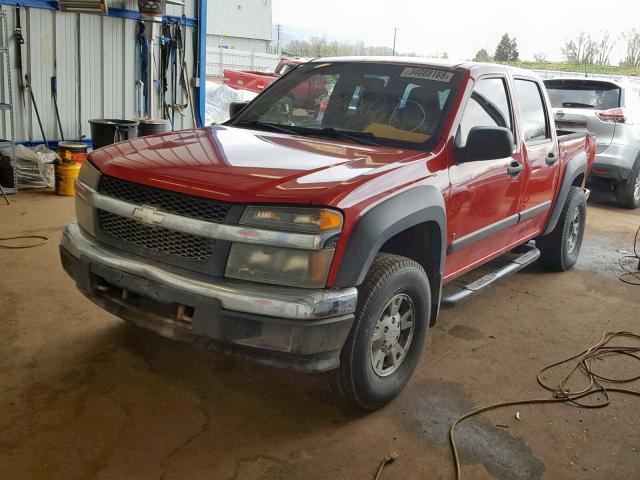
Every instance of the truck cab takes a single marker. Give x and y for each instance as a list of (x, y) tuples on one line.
[(320, 239)]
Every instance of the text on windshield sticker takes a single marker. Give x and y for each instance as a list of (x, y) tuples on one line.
[(427, 74)]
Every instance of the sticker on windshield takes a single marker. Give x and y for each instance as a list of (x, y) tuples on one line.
[(427, 74)]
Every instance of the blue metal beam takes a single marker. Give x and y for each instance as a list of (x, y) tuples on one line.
[(46, 5), (112, 12), (202, 60)]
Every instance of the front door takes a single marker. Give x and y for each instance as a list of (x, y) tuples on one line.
[(485, 195)]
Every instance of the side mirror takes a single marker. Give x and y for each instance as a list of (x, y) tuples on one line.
[(236, 107), (486, 143)]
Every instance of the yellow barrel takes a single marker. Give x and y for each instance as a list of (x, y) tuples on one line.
[(66, 175), (72, 152)]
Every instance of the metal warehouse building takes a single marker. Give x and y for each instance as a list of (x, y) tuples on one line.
[(239, 36), (95, 59)]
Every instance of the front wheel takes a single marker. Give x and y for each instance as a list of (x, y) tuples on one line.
[(388, 334), (559, 249)]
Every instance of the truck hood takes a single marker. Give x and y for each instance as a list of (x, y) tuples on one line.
[(229, 163)]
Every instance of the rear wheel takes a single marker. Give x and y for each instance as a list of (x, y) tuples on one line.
[(628, 192), (387, 336), (560, 248)]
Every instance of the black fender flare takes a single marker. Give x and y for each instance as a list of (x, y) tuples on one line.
[(420, 204), (576, 166)]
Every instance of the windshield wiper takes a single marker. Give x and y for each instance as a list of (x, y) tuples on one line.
[(267, 126), (363, 138)]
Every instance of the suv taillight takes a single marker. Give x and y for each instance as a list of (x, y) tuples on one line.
[(615, 115)]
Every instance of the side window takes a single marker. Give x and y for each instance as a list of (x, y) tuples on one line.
[(535, 124), (488, 106)]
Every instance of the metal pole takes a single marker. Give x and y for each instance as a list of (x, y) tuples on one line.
[(395, 31), (4, 194), (279, 27), (151, 66), (253, 53)]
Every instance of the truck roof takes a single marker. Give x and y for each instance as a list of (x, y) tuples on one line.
[(476, 68)]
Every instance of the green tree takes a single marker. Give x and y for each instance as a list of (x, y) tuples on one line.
[(507, 49), (632, 55), (482, 56), (540, 57), (515, 55)]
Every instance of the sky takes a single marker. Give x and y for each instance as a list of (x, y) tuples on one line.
[(459, 27)]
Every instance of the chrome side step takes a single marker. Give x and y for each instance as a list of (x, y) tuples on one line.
[(531, 255)]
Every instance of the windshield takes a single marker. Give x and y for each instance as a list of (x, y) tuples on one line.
[(370, 103), (583, 94)]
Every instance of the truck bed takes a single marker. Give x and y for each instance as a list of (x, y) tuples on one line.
[(574, 143), (251, 80), (567, 135)]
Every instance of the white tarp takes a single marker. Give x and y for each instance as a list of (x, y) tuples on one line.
[(219, 98), (34, 166)]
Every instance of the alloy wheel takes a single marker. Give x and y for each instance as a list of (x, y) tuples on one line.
[(392, 335), (574, 231)]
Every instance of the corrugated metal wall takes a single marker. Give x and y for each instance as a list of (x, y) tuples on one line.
[(239, 36), (239, 18), (94, 59), (237, 43), (220, 58)]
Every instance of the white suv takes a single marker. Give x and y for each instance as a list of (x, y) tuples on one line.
[(609, 109)]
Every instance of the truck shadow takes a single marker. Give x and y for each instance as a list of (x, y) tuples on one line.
[(603, 196), (235, 384)]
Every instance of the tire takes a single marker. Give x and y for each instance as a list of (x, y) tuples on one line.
[(391, 281), (560, 248), (628, 192)]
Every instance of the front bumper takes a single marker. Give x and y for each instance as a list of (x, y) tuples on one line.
[(280, 326)]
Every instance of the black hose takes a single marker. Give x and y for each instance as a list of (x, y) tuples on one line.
[(596, 384)]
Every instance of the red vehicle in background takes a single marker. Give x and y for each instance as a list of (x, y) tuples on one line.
[(321, 240), (306, 95)]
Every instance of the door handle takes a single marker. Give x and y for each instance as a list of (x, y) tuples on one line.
[(551, 159), (515, 169)]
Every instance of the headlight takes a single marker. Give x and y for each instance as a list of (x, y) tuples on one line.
[(308, 220), (282, 266), (89, 175)]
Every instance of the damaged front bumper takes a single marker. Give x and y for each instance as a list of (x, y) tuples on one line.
[(286, 327)]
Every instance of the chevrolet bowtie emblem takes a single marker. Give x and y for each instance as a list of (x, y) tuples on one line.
[(148, 215)]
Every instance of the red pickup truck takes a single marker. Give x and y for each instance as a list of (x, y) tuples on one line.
[(322, 242), (304, 95), (257, 81)]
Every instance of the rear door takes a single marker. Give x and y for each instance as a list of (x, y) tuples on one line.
[(540, 154), (485, 195), (581, 105)]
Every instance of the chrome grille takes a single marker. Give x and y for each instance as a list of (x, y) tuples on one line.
[(156, 239), (165, 200)]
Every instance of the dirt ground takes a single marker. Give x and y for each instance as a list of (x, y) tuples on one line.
[(84, 395)]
